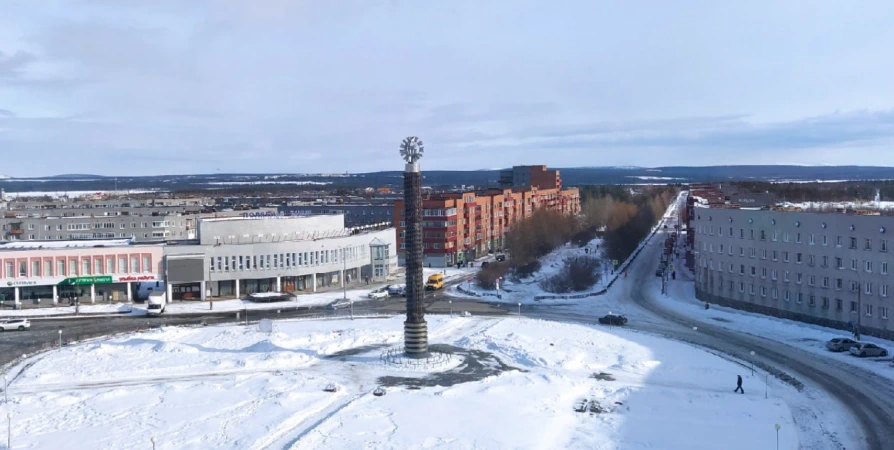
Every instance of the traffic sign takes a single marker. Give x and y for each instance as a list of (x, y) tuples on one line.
[(615, 262)]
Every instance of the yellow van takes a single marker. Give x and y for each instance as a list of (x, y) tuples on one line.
[(435, 282)]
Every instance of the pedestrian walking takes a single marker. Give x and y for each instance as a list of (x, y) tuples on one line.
[(857, 334), (739, 385), (674, 275)]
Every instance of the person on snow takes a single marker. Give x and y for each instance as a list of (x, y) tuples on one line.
[(739, 385)]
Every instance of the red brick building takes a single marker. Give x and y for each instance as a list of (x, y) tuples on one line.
[(460, 226)]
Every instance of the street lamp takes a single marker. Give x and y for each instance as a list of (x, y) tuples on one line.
[(777, 435), (451, 306), (5, 389), (60, 340), (519, 309), (8, 430), (752, 363), (152, 439), (352, 309)]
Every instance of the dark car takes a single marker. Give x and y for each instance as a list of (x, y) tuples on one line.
[(659, 272), (484, 264), (612, 319), (501, 258)]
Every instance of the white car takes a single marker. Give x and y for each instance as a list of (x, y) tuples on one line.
[(379, 294), (15, 324)]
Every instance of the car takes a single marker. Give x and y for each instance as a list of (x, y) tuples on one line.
[(501, 258), (868, 350), (15, 324), (397, 290), (841, 344), (613, 319), (484, 264), (340, 304), (659, 272), (379, 294)]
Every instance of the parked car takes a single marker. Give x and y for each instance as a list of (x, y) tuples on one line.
[(15, 324), (613, 319), (501, 258), (484, 264), (841, 344), (868, 350), (397, 290), (340, 304), (379, 294), (659, 272)]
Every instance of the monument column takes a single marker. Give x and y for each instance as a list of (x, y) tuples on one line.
[(415, 328)]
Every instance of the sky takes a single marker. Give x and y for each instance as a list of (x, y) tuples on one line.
[(130, 87)]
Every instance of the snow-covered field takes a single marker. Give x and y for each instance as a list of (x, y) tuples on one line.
[(235, 387)]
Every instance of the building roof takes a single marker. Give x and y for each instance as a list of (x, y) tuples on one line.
[(87, 243)]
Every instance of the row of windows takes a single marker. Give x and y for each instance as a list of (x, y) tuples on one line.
[(83, 226), (98, 265), (799, 298), (286, 260), (825, 282), (797, 257), (812, 239)]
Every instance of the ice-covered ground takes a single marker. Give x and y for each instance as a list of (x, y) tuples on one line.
[(235, 387)]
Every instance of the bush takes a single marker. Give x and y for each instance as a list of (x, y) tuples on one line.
[(527, 270), (539, 234), (578, 274), (486, 278)]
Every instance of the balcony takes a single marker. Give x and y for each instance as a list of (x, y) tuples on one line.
[(15, 231)]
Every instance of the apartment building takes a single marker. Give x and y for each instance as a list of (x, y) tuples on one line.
[(537, 176), (832, 269), (461, 226)]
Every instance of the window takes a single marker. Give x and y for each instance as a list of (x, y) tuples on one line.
[(811, 300), (839, 263), (785, 276), (751, 289), (775, 255), (773, 274), (883, 290), (741, 233), (853, 264), (825, 282), (97, 266), (35, 268), (883, 268), (798, 258), (721, 249), (785, 256), (763, 291), (800, 298), (853, 243), (868, 265), (741, 287), (838, 283), (775, 293), (867, 244), (110, 265), (775, 235), (868, 309), (798, 238), (241, 263), (838, 241), (763, 237), (811, 280), (764, 254), (742, 251), (731, 268), (825, 302), (60, 268), (883, 245), (741, 269), (811, 260), (763, 272), (838, 304), (753, 252), (753, 271), (853, 286), (135, 264), (825, 261), (785, 236), (86, 267), (147, 263), (73, 268), (825, 240), (122, 264), (798, 277), (883, 311), (788, 296), (853, 307), (868, 289), (812, 239)]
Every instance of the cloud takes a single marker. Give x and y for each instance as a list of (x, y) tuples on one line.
[(171, 86)]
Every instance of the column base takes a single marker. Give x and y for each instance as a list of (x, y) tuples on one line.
[(416, 339)]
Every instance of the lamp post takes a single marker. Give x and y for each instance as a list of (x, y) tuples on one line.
[(60, 340), (777, 435), (8, 430), (519, 309), (752, 363), (451, 307), (5, 389), (152, 439), (352, 309), (767, 387)]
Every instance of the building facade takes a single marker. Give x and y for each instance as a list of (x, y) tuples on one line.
[(462, 226), (356, 215), (234, 257), (536, 176), (113, 270), (831, 269)]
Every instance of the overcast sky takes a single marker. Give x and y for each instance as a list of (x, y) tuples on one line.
[(187, 86)]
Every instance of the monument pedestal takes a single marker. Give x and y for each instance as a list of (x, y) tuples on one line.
[(416, 339)]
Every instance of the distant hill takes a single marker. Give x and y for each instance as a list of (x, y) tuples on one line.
[(571, 176)]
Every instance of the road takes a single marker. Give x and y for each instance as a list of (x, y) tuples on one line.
[(868, 397)]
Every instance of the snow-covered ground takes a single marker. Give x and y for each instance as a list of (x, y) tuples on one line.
[(525, 290), (235, 387), (857, 205)]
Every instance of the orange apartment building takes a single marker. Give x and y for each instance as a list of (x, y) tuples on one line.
[(461, 226)]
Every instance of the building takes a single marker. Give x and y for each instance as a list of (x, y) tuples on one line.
[(831, 269), (100, 270), (140, 223), (236, 256), (356, 214), (536, 176), (462, 226)]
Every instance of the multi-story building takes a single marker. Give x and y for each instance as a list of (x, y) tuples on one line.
[(356, 214), (236, 256), (832, 269), (461, 226), (142, 223), (536, 176)]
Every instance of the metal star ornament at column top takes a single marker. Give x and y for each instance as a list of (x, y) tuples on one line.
[(411, 149)]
